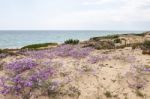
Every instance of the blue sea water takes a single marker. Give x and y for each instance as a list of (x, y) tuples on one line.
[(18, 39)]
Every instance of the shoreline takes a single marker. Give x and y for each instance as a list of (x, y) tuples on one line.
[(115, 67), (13, 48)]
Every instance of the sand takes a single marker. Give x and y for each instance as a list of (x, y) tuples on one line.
[(108, 79)]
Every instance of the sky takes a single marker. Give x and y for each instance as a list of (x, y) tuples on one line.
[(74, 14)]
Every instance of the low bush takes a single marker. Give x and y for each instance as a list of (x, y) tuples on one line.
[(36, 46), (117, 41), (3, 51), (104, 37), (136, 45), (107, 94), (141, 34), (71, 41), (146, 44), (139, 93), (22, 80), (146, 52), (100, 45), (105, 45)]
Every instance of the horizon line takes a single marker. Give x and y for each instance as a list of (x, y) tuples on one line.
[(64, 30)]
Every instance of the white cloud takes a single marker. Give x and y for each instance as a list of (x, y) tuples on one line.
[(96, 2), (129, 12), (88, 14)]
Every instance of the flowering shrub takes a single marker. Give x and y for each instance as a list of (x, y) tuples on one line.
[(25, 75), (136, 78), (40, 54), (61, 51), (21, 65), (95, 59), (125, 58), (19, 84), (3, 55), (41, 75), (146, 68), (80, 52), (23, 83)]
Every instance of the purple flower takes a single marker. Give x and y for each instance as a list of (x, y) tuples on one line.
[(2, 55), (62, 51), (147, 69), (41, 75), (29, 84), (95, 59), (21, 65)]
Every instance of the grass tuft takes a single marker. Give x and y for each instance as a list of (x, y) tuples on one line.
[(139, 93), (108, 94)]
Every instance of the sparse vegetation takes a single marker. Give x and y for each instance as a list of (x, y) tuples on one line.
[(146, 44), (139, 93), (136, 45), (117, 41), (36, 46), (101, 45), (3, 51), (71, 71), (104, 37), (108, 94), (140, 34), (71, 41), (146, 47)]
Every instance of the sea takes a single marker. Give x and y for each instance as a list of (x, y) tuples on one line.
[(20, 38)]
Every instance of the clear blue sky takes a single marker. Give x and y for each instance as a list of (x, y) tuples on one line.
[(75, 14)]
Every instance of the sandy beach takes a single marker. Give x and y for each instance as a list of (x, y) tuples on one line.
[(77, 73), (75, 49)]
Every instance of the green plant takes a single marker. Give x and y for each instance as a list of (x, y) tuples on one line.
[(140, 94), (3, 51), (146, 44), (107, 94), (111, 36), (104, 37), (36, 46), (141, 34), (136, 45), (71, 41), (117, 40)]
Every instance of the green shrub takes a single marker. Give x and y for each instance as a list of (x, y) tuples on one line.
[(36, 46), (7, 52), (96, 38), (117, 41), (104, 37), (71, 41), (100, 45), (111, 36), (141, 34), (3, 51), (136, 45), (108, 94), (146, 44), (139, 93)]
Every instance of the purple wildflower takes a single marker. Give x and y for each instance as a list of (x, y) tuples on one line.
[(95, 59), (21, 65)]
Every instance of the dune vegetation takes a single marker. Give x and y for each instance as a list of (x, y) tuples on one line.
[(76, 71)]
